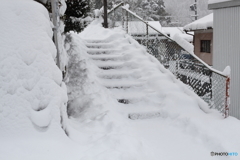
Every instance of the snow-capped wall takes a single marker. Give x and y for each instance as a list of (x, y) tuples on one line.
[(32, 94)]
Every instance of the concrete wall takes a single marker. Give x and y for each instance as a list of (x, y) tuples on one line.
[(226, 50), (203, 35)]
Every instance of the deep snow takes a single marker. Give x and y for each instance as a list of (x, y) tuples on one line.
[(33, 97), (32, 93)]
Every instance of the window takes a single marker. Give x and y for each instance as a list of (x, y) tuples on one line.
[(206, 46)]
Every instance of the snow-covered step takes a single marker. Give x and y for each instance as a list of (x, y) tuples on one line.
[(125, 71), (124, 101), (120, 74), (122, 86), (127, 94), (104, 57), (115, 76), (96, 41), (112, 83), (99, 45), (144, 115), (109, 65), (102, 51)]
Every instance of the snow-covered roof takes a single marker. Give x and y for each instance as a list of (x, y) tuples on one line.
[(215, 4), (216, 1), (203, 23), (155, 24)]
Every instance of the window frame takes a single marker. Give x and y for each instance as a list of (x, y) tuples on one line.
[(205, 46)]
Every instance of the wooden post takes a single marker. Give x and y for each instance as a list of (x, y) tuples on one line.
[(55, 17), (105, 23)]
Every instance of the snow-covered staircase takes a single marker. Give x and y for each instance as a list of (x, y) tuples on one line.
[(120, 77)]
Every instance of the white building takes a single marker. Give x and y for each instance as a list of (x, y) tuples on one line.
[(226, 45)]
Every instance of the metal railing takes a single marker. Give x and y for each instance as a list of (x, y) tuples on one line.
[(209, 84)]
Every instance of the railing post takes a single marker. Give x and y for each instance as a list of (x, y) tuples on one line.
[(211, 84), (227, 98), (105, 23), (55, 17), (123, 18), (126, 21), (177, 66), (113, 20), (147, 34)]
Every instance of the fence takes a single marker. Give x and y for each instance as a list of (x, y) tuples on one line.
[(211, 85)]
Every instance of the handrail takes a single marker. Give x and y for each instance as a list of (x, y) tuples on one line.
[(205, 64), (116, 7), (136, 16), (208, 83)]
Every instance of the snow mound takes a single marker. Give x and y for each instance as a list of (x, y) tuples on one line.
[(31, 96)]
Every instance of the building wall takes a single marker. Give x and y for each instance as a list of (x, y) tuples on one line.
[(203, 35), (226, 50)]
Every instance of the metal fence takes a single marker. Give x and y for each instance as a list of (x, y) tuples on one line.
[(211, 85)]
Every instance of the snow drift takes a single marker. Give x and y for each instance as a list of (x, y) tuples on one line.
[(32, 95)]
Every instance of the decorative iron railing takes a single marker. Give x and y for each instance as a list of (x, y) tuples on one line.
[(209, 84)]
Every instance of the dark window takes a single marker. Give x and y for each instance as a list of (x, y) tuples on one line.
[(206, 46)]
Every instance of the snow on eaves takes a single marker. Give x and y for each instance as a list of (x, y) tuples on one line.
[(216, 1), (203, 23)]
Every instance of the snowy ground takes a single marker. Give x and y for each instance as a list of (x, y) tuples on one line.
[(32, 98)]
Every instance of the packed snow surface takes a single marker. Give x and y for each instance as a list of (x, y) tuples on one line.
[(105, 65), (203, 23)]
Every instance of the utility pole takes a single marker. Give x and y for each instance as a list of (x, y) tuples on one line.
[(55, 17), (105, 23), (193, 7), (196, 16)]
